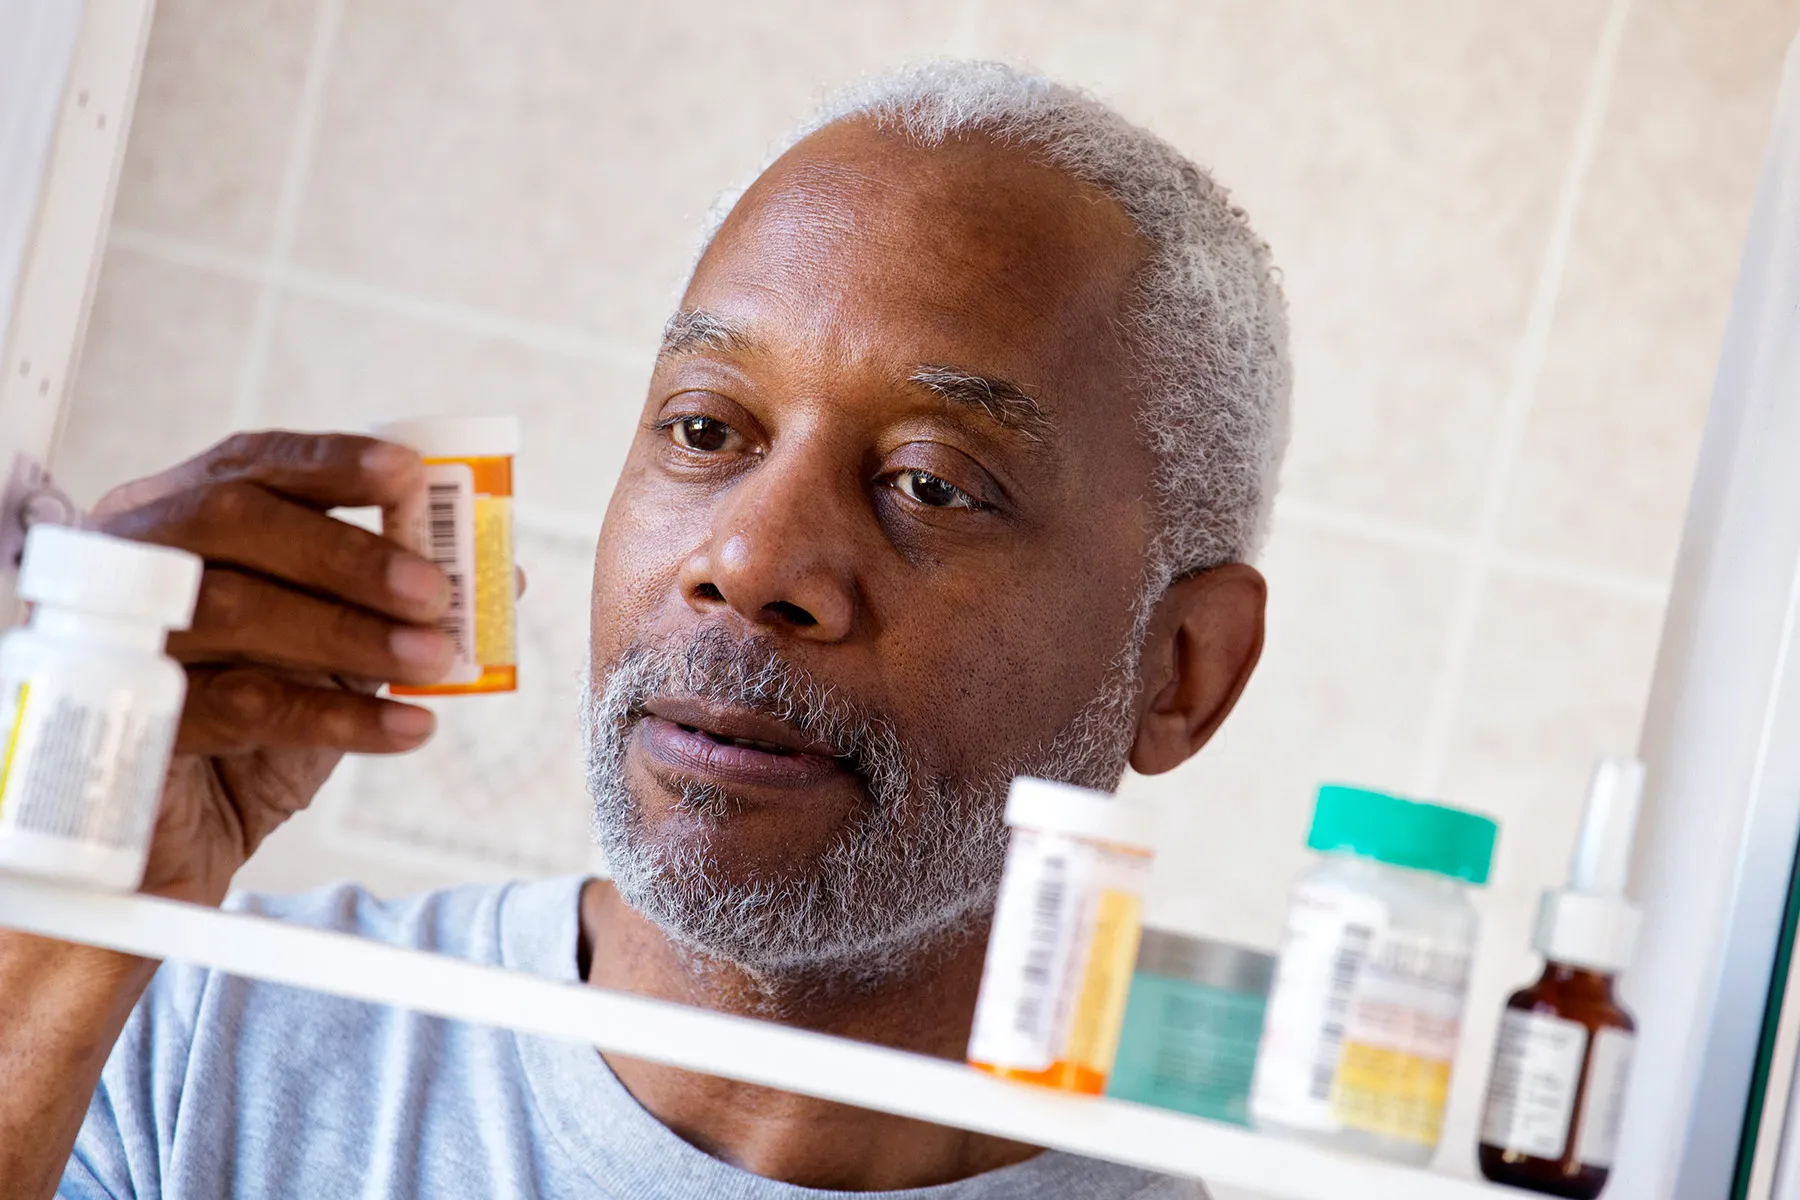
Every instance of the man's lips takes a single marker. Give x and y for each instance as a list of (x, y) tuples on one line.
[(723, 745)]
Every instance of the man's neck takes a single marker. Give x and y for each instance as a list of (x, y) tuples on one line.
[(776, 1134)]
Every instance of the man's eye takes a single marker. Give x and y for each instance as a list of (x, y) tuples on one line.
[(702, 434), (931, 491)]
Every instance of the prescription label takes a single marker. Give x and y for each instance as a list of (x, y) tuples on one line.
[(1537, 1074), (443, 530), (1603, 1106), (1331, 935), (494, 585), (1112, 944), (1032, 952), (1059, 961), (1400, 1037), (78, 769)]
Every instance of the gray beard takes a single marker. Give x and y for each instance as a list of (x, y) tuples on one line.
[(911, 874)]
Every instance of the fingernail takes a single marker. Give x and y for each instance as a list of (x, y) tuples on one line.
[(405, 721), (420, 647), (387, 458), (416, 580)]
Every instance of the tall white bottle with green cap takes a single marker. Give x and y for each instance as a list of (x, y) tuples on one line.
[(1366, 1009)]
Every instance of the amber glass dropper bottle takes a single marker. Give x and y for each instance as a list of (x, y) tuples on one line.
[(1557, 1090)]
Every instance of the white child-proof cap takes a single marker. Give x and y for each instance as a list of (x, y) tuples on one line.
[(454, 437), (1080, 812), (106, 576)]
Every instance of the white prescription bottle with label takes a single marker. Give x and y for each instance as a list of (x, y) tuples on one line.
[(1065, 936), (89, 704), (1366, 1008)]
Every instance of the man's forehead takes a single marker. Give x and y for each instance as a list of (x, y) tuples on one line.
[(975, 257), (999, 212)]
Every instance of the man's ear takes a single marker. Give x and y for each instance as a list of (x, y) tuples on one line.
[(1205, 637)]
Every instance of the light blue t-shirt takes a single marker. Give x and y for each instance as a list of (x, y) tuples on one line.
[(221, 1087)]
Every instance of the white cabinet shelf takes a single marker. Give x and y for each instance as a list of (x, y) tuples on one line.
[(758, 1052)]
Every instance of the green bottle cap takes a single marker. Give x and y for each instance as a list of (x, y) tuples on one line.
[(1403, 833)]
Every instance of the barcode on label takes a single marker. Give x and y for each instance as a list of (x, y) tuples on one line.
[(444, 541), (1037, 976), (1352, 952)]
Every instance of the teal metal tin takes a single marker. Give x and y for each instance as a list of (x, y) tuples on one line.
[(1192, 1024)]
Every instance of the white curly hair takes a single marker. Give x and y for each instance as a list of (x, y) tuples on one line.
[(1207, 325)]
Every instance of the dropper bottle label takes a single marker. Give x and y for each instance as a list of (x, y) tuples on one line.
[(1550, 1078), (1603, 1110), (1537, 1074)]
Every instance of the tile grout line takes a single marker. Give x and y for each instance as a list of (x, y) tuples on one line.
[(194, 256), (1593, 579), (350, 293), (568, 342), (1521, 396), (1395, 534), (1398, 535), (246, 404)]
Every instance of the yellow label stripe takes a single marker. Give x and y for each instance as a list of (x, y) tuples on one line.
[(494, 583), (1100, 1007), (12, 740), (1391, 1093)]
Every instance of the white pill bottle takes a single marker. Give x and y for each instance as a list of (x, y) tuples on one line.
[(89, 704), (1365, 1014)]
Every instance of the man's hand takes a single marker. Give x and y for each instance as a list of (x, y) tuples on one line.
[(301, 617)]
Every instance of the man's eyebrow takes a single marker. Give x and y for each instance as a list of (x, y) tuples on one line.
[(1004, 403), (694, 329)]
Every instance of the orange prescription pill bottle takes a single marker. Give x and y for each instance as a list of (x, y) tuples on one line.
[(463, 523), (1065, 936)]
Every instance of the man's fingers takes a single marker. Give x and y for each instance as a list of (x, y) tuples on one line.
[(245, 617), (326, 470), (234, 710), (243, 525), (321, 470)]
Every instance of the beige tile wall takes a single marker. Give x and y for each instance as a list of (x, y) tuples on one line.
[(1508, 227)]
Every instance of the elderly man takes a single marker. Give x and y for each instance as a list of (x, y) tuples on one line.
[(950, 469)]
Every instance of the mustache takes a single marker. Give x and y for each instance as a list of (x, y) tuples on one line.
[(754, 675)]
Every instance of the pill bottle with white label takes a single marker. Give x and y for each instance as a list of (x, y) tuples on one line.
[(1065, 936), (89, 704), (1366, 1009), (1563, 1059), (463, 522)]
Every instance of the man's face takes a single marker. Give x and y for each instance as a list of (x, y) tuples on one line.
[(878, 545)]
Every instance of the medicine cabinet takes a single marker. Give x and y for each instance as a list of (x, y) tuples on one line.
[(1710, 1115)]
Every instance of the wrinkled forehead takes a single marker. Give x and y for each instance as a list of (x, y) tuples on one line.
[(965, 251)]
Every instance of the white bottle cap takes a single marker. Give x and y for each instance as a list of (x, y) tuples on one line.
[(1096, 816), (111, 577), (1590, 923), (454, 437)]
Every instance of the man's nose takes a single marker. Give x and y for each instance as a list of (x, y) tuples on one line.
[(779, 555)]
